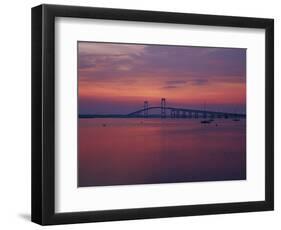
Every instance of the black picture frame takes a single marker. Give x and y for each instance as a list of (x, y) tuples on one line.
[(43, 110)]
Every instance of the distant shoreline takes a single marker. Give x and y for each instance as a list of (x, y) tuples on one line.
[(116, 116), (140, 116)]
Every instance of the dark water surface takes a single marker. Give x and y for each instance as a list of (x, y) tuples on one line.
[(147, 151)]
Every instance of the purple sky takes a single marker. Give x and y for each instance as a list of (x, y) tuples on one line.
[(117, 78)]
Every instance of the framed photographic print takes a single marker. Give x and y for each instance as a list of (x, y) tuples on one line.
[(142, 114)]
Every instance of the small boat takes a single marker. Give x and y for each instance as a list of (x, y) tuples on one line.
[(205, 122)]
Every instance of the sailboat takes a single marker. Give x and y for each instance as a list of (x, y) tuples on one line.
[(206, 121), (236, 119)]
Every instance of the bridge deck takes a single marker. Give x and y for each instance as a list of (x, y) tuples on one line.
[(189, 110)]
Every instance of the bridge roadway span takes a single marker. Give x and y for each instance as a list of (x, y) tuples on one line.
[(195, 111)]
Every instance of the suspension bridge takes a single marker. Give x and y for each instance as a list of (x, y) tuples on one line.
[(164, 111)]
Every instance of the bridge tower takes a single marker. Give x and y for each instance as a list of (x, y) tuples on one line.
[(145, 107), (163, 107), (173, 113)]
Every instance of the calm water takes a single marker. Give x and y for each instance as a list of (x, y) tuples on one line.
[(144, 151)]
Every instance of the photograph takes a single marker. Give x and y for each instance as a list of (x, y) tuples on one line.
[(154, 113), (142, 113)]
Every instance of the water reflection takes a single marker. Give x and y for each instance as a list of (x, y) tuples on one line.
[(145, 151)]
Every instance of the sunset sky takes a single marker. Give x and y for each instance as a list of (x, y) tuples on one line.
[(117, 78)]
